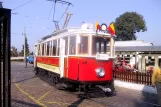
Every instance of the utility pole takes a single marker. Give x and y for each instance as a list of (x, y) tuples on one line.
[(24, 42)]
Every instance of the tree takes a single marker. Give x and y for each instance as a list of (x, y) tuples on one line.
[(14, 52), (128, 24), (27, 48)]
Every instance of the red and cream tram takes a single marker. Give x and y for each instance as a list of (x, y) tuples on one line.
[(77, 58)]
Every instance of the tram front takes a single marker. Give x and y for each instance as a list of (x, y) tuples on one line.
[(96, 69)]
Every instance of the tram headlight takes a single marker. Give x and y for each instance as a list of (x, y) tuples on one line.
[(100, 72)]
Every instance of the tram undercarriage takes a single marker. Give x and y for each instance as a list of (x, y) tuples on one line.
[(85, 88)]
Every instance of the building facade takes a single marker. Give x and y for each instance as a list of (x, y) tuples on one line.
[(142, 55)]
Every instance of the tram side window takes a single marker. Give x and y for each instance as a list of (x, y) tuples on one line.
[(54, 47), (51, 42), (97, 47), (83, 45), (103, 45), (108, 47), (72, 46), (43, 49), (66, 45), (48, 45), (58, 48), (38, 48)]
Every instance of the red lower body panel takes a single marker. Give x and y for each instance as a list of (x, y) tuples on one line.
[(81, 69)]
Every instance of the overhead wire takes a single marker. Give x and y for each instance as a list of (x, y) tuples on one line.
[(51, 10), (23, 4), (63, 14), (54, 11)]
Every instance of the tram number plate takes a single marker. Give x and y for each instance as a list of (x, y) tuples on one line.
[(102, 57)]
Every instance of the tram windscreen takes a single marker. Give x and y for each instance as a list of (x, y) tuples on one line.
[(100, 45)]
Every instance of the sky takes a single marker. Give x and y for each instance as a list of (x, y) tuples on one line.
[(38, 21)]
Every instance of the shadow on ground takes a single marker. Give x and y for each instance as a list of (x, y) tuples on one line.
[(76, 103), (18, 103), (25, 79)]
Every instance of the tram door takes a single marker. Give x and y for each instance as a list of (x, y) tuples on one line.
[(61, 59)]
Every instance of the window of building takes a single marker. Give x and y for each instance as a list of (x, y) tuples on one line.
[(72, 45), (83, 45), (54, 47)]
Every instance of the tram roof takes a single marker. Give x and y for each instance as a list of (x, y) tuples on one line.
[(71, 30)]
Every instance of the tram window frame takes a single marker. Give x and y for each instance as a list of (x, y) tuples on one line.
[(58, 47), (73, 45), (48, 48), (51, 43), (43, 48), (54, 44), (96, 45), (108, 48), (66, 44), (83, 45), (38, 50)]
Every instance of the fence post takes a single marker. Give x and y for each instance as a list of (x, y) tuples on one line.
[(136, 76), (150, 79)]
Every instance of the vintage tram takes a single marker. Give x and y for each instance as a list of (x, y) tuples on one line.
[(77, 59)]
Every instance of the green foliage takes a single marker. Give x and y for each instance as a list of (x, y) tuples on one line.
[(128, 24), (14, 52), (27, 49)]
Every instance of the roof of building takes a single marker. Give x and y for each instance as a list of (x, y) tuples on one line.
[(133, 43), (138, 48)]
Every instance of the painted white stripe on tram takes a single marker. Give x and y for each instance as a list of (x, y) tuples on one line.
[(51, 68)]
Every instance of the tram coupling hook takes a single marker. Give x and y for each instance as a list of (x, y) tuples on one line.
[(105, 89)]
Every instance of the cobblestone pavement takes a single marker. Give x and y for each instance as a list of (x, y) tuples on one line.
[(27, 90)]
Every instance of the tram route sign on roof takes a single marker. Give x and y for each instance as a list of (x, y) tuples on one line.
[(103, 28)]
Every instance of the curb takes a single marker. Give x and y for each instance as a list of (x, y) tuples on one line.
[(134, 86)]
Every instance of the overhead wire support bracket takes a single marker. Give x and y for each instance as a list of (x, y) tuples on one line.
[(61, 1), (68, 15), (56, 25)]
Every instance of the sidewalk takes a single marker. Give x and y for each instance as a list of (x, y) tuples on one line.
[(134, 86)]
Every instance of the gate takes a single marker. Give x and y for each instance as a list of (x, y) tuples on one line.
[(5, 74)]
